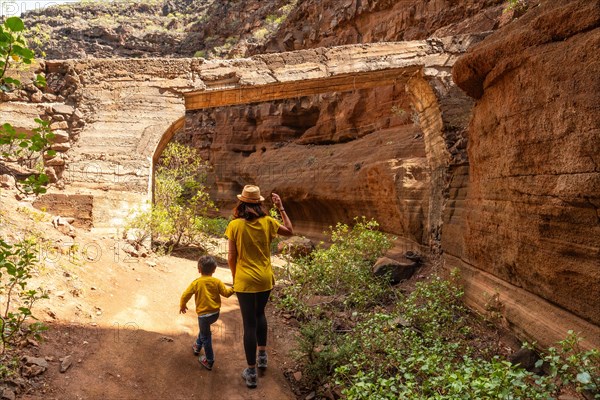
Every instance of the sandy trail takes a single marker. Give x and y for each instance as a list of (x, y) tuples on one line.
[(140, 346)]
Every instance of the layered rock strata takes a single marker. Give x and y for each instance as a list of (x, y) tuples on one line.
[(527, 219), (333, 157), (126, 106)]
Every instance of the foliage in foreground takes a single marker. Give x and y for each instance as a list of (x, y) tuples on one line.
[(421, 347), (19, 148), (340, 276), (181, 212), (16, 264)]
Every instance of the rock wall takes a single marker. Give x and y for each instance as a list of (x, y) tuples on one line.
[(318, 23), (528, 218), (332, 157), (115, 116), (363, 152)]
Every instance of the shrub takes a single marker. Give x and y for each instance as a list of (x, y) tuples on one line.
[(422, 349), (342, 271), (180, 215), (20, 148), (16, 265)]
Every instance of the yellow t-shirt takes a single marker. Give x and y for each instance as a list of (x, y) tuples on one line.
[(207, 293), (253, 242)]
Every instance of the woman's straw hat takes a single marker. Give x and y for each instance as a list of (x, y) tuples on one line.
[(250, 194)]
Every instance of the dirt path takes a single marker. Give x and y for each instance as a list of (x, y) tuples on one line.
[(137, 346)]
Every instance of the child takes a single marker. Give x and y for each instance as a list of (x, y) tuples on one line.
[(207, 291)]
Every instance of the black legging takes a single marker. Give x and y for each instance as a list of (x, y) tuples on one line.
[(253, 306)]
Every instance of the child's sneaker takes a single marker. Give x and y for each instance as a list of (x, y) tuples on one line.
[(196, 349), (205, 363), (261, 361), (249, 377)]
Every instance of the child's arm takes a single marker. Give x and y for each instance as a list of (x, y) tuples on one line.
[(185, 297), (225, 291)]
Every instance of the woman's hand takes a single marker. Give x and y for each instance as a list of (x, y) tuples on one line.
[(286, 229), (277, 201), (182, 310)]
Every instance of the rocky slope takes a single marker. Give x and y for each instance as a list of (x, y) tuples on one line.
[(226, 29), (318, 23), (168, 28)]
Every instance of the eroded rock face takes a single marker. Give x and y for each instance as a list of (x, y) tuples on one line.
[(529, 213), (332, 157), (318, 23)]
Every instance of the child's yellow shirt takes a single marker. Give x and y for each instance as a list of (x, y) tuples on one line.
[(207, 292)]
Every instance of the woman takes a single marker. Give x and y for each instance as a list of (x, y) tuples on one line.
[(250, 235)]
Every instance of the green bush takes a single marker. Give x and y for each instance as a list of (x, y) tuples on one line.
[(16, 264), (342, 271), (180, 215), (428, 356), (22, 149), (424, 348)]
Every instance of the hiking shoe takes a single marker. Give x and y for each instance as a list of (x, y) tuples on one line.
[(196, 349), (261, 361), (249, 377), (205, 363)]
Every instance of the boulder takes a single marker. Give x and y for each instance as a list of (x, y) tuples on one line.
[(36, 97), (65, 364), (49, 97), (130, 249), (7, 394), (526, 358), (395, 270), (60, 136), (296, 247), (33, 366), (63, 109), (7, 181), (59, 125), (62, 147), (39, 361), (55, 162), (51, 173), (64, 226)]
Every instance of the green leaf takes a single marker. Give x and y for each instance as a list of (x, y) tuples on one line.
[(15, 24), (40, 80), (12, 81), (23, 52)]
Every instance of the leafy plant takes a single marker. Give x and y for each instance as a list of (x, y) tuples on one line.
[(569, 364), (518, 6), (20, 148), (16, 265), (341, 272), (181, 213), (423, 349)]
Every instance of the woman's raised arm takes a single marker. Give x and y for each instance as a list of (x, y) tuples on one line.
[(286, 229)]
